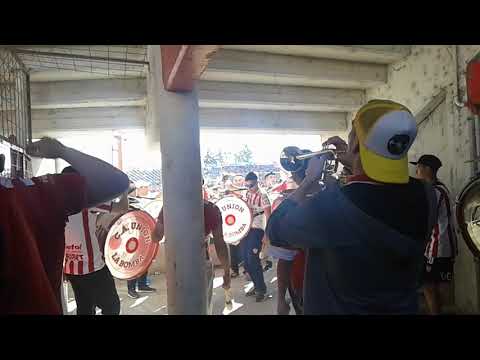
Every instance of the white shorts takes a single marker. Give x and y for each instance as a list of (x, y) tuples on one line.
[(281, 253)]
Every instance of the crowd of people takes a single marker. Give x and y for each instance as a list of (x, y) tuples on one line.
[(367, 245)]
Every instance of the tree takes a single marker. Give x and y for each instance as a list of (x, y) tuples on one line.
[(244, 156), (220, 158), (210, 161)]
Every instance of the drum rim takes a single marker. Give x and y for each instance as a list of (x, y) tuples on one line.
[(460, 218), (249, 211), (154, 244)]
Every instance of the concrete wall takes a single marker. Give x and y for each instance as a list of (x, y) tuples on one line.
[(414, 82)]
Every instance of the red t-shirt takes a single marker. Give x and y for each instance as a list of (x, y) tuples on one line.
[(298, 271), (33, 214), (211, 214)]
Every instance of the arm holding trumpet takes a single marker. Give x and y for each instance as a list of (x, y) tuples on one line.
[(297, 219)]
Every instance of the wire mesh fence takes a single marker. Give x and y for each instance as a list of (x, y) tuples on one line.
[(14, 100), (15, 117), (109, 60)]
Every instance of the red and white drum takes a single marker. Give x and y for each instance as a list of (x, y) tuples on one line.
[(129, 248), (237, 218)]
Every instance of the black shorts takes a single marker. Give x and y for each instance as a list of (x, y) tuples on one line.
[(440, 271)]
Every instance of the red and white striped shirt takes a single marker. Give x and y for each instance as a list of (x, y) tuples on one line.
[(82, 250), (443, 242), (258, 201)]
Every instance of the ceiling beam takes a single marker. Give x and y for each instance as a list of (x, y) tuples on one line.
[(45, 122), (254, 67), (132, 92), (213, 94), (379, 54), (49, 122), (253, 120), (88, 93)]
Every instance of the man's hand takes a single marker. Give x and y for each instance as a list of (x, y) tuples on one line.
[(338, 142), (47, 148), (344, 156)]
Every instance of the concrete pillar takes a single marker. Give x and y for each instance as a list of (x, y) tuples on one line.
[(177, 117)]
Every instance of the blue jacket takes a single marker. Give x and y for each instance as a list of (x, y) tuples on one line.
[(355, 264)]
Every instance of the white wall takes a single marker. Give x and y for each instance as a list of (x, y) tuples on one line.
[(414, 82)]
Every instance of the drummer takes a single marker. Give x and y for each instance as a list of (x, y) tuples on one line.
[(235, 187), (251, 245), (84, 266), (213, 226)]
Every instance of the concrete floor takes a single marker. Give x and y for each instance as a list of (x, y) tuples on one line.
[(156, 303)]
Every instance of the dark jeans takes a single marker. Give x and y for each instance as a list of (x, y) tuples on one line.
[(250, 248), (235, 257), (141, 281), (96, 289)]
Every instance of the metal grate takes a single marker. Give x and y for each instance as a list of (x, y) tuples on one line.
[(108, 60), (15, 124), (15, 120)]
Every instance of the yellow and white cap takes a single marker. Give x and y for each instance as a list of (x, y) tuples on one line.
[(385, 132)]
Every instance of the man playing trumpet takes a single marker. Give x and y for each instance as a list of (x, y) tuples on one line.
[(364, 240)]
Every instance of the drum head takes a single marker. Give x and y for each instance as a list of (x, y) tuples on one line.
[(129, 249), (236, 218), (468, 215)]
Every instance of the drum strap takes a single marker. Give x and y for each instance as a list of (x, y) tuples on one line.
[(258, 213)]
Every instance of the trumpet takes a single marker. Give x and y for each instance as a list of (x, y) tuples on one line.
[(293, 159)]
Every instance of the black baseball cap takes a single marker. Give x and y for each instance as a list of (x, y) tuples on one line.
[(429, 160), (251, 176)]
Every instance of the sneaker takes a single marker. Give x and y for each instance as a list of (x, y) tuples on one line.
[(133, 294), (261, 297), (268, 266), (251, 292), (146, 289)]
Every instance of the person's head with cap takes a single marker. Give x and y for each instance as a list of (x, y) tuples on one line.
[(237, 181), (382, 133), (427, 167), (270, 179), (251, 181)]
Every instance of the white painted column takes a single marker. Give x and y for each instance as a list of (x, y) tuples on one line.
[(176, 115)]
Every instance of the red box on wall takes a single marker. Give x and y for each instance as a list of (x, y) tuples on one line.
[(473, 86)]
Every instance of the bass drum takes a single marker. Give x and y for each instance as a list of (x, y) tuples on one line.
[(236, 218), (467, 213), (129, 249)]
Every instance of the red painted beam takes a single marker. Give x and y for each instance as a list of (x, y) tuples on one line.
[(183, 64)]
